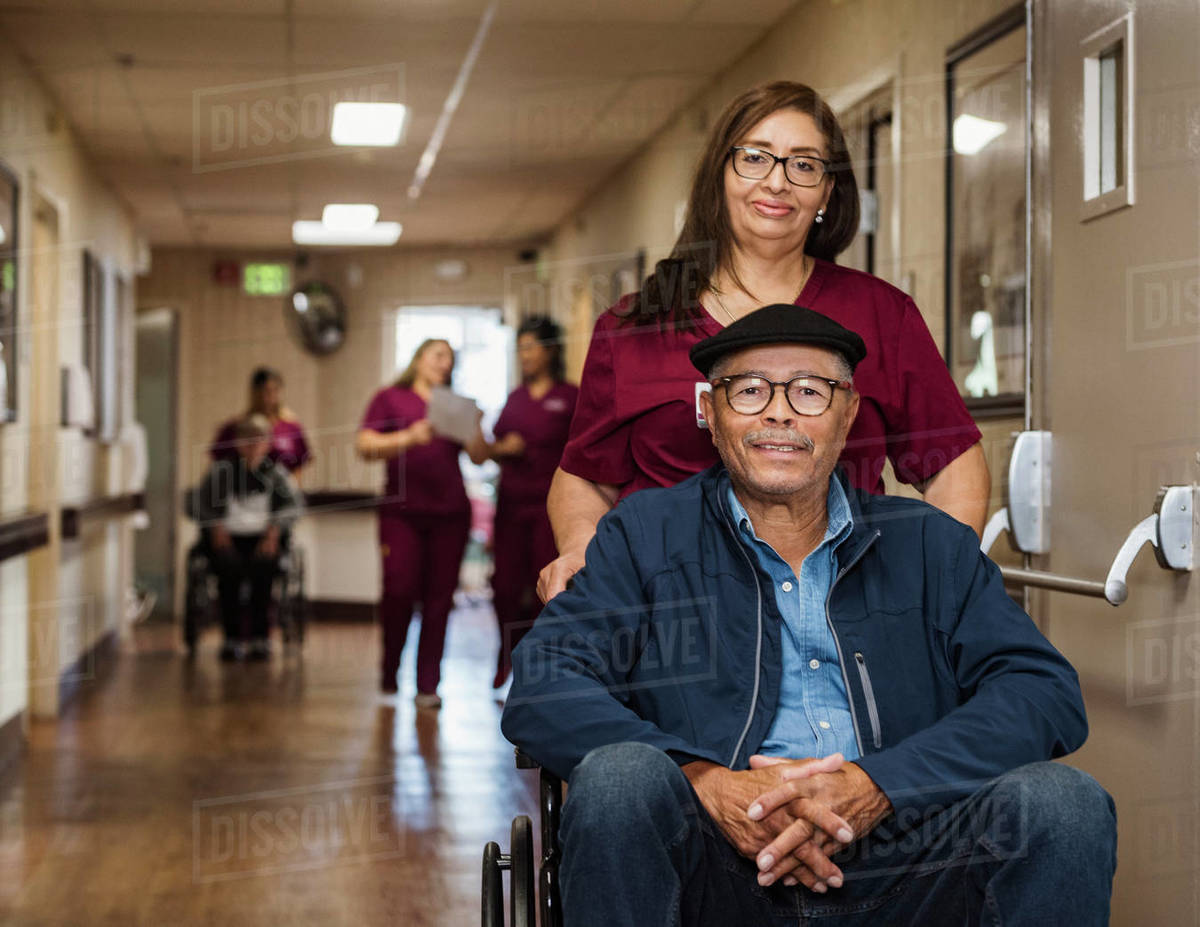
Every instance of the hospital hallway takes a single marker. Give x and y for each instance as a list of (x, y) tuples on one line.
[(177, 792), (317, 316)]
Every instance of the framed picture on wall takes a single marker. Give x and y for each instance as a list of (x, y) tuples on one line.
[(100, 343), (8, 295)]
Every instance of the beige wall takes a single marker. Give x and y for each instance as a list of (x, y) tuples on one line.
[(225, 334), (89, 576)]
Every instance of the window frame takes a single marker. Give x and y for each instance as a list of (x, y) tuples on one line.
[(1016, 17)]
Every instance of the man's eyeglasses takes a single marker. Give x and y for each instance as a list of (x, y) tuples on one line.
[(801, 170), (807, 395)]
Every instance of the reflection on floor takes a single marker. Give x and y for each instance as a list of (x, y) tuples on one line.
[(287, 792)]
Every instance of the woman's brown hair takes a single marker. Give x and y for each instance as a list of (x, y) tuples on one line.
[(705, 243), (409, 376)]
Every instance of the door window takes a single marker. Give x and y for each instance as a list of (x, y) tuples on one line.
[(986, 170)]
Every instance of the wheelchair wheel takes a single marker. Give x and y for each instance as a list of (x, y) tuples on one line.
[(522, 896), (298, 601), (292, 604), (283, 608), (493, 886), (196, 601)]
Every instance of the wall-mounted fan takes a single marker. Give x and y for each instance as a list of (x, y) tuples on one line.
[(317, 317)]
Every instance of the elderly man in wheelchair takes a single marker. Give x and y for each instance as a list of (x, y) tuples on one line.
[(245, 506), (777, 698)]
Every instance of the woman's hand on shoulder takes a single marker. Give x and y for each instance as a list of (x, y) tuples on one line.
[(557, 573)]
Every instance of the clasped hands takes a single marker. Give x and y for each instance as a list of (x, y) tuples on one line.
[(791, 816)]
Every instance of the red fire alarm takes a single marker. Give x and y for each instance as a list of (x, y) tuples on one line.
[(227, 273)]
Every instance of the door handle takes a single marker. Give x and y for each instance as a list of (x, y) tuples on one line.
[(996, 526), (1170, 532)]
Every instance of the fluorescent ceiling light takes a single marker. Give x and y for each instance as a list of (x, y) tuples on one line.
[(349, 217), (972, 134), (377, 124), (309, 232)]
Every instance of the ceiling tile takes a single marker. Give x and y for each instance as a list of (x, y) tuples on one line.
[(216, 126)]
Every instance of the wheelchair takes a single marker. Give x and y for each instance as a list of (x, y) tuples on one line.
[(201, 599), (524, 898)]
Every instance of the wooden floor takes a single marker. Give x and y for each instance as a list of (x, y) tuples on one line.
[(280, 793)]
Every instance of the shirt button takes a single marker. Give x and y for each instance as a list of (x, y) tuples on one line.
[(814, 664), (787, 586), (825, 725)]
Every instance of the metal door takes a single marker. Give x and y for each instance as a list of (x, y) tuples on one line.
[(1116, 378)]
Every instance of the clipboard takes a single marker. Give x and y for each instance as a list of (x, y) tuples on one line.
[(452, 416)]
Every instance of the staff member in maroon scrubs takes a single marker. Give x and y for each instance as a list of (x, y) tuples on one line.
[(289, 447), (530, 434), (773, 202), (424, 517)]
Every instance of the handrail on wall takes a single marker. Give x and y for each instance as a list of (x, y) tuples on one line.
[(73, 516), (22, 533)]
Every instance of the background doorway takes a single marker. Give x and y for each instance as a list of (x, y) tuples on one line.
[(157, 335)]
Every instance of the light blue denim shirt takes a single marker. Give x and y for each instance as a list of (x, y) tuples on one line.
[(813, 717)]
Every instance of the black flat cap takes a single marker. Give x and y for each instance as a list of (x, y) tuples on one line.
[(778, 324)]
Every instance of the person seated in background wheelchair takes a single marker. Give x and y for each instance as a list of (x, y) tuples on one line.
[(777, 697), (245, 507)]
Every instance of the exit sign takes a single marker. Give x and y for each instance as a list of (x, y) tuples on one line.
[(266, 279)]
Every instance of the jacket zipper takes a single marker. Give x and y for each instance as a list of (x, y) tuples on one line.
[(869, 691), (758, 643), (837, 641)]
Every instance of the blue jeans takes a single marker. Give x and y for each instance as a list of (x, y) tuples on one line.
[(1034, 846)]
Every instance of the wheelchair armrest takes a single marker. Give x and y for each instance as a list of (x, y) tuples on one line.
[(524, 760)]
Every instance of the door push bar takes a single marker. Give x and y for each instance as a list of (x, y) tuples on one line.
[(1026, 520)]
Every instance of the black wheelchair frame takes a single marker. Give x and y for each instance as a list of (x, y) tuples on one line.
[(290, 605), (523, 896)]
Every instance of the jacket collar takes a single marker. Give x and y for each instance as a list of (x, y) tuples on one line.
[(862, 533)]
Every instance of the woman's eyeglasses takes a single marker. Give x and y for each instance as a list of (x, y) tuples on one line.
[(801, 170)]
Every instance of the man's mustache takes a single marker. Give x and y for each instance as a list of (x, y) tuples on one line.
[(778, 436)]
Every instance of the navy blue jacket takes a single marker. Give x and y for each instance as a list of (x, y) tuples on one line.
[(670, 635)]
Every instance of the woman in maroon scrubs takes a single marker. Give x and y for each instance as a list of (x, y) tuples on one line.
[(530, 434), (773, 202), (424, 517), (289, 447)]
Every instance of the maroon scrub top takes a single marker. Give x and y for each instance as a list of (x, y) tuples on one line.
[(635, 422), (425, 479), (289, 447), (544, 424)]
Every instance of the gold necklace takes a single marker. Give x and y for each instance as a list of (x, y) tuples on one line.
[(808, 266), (717, 297)]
